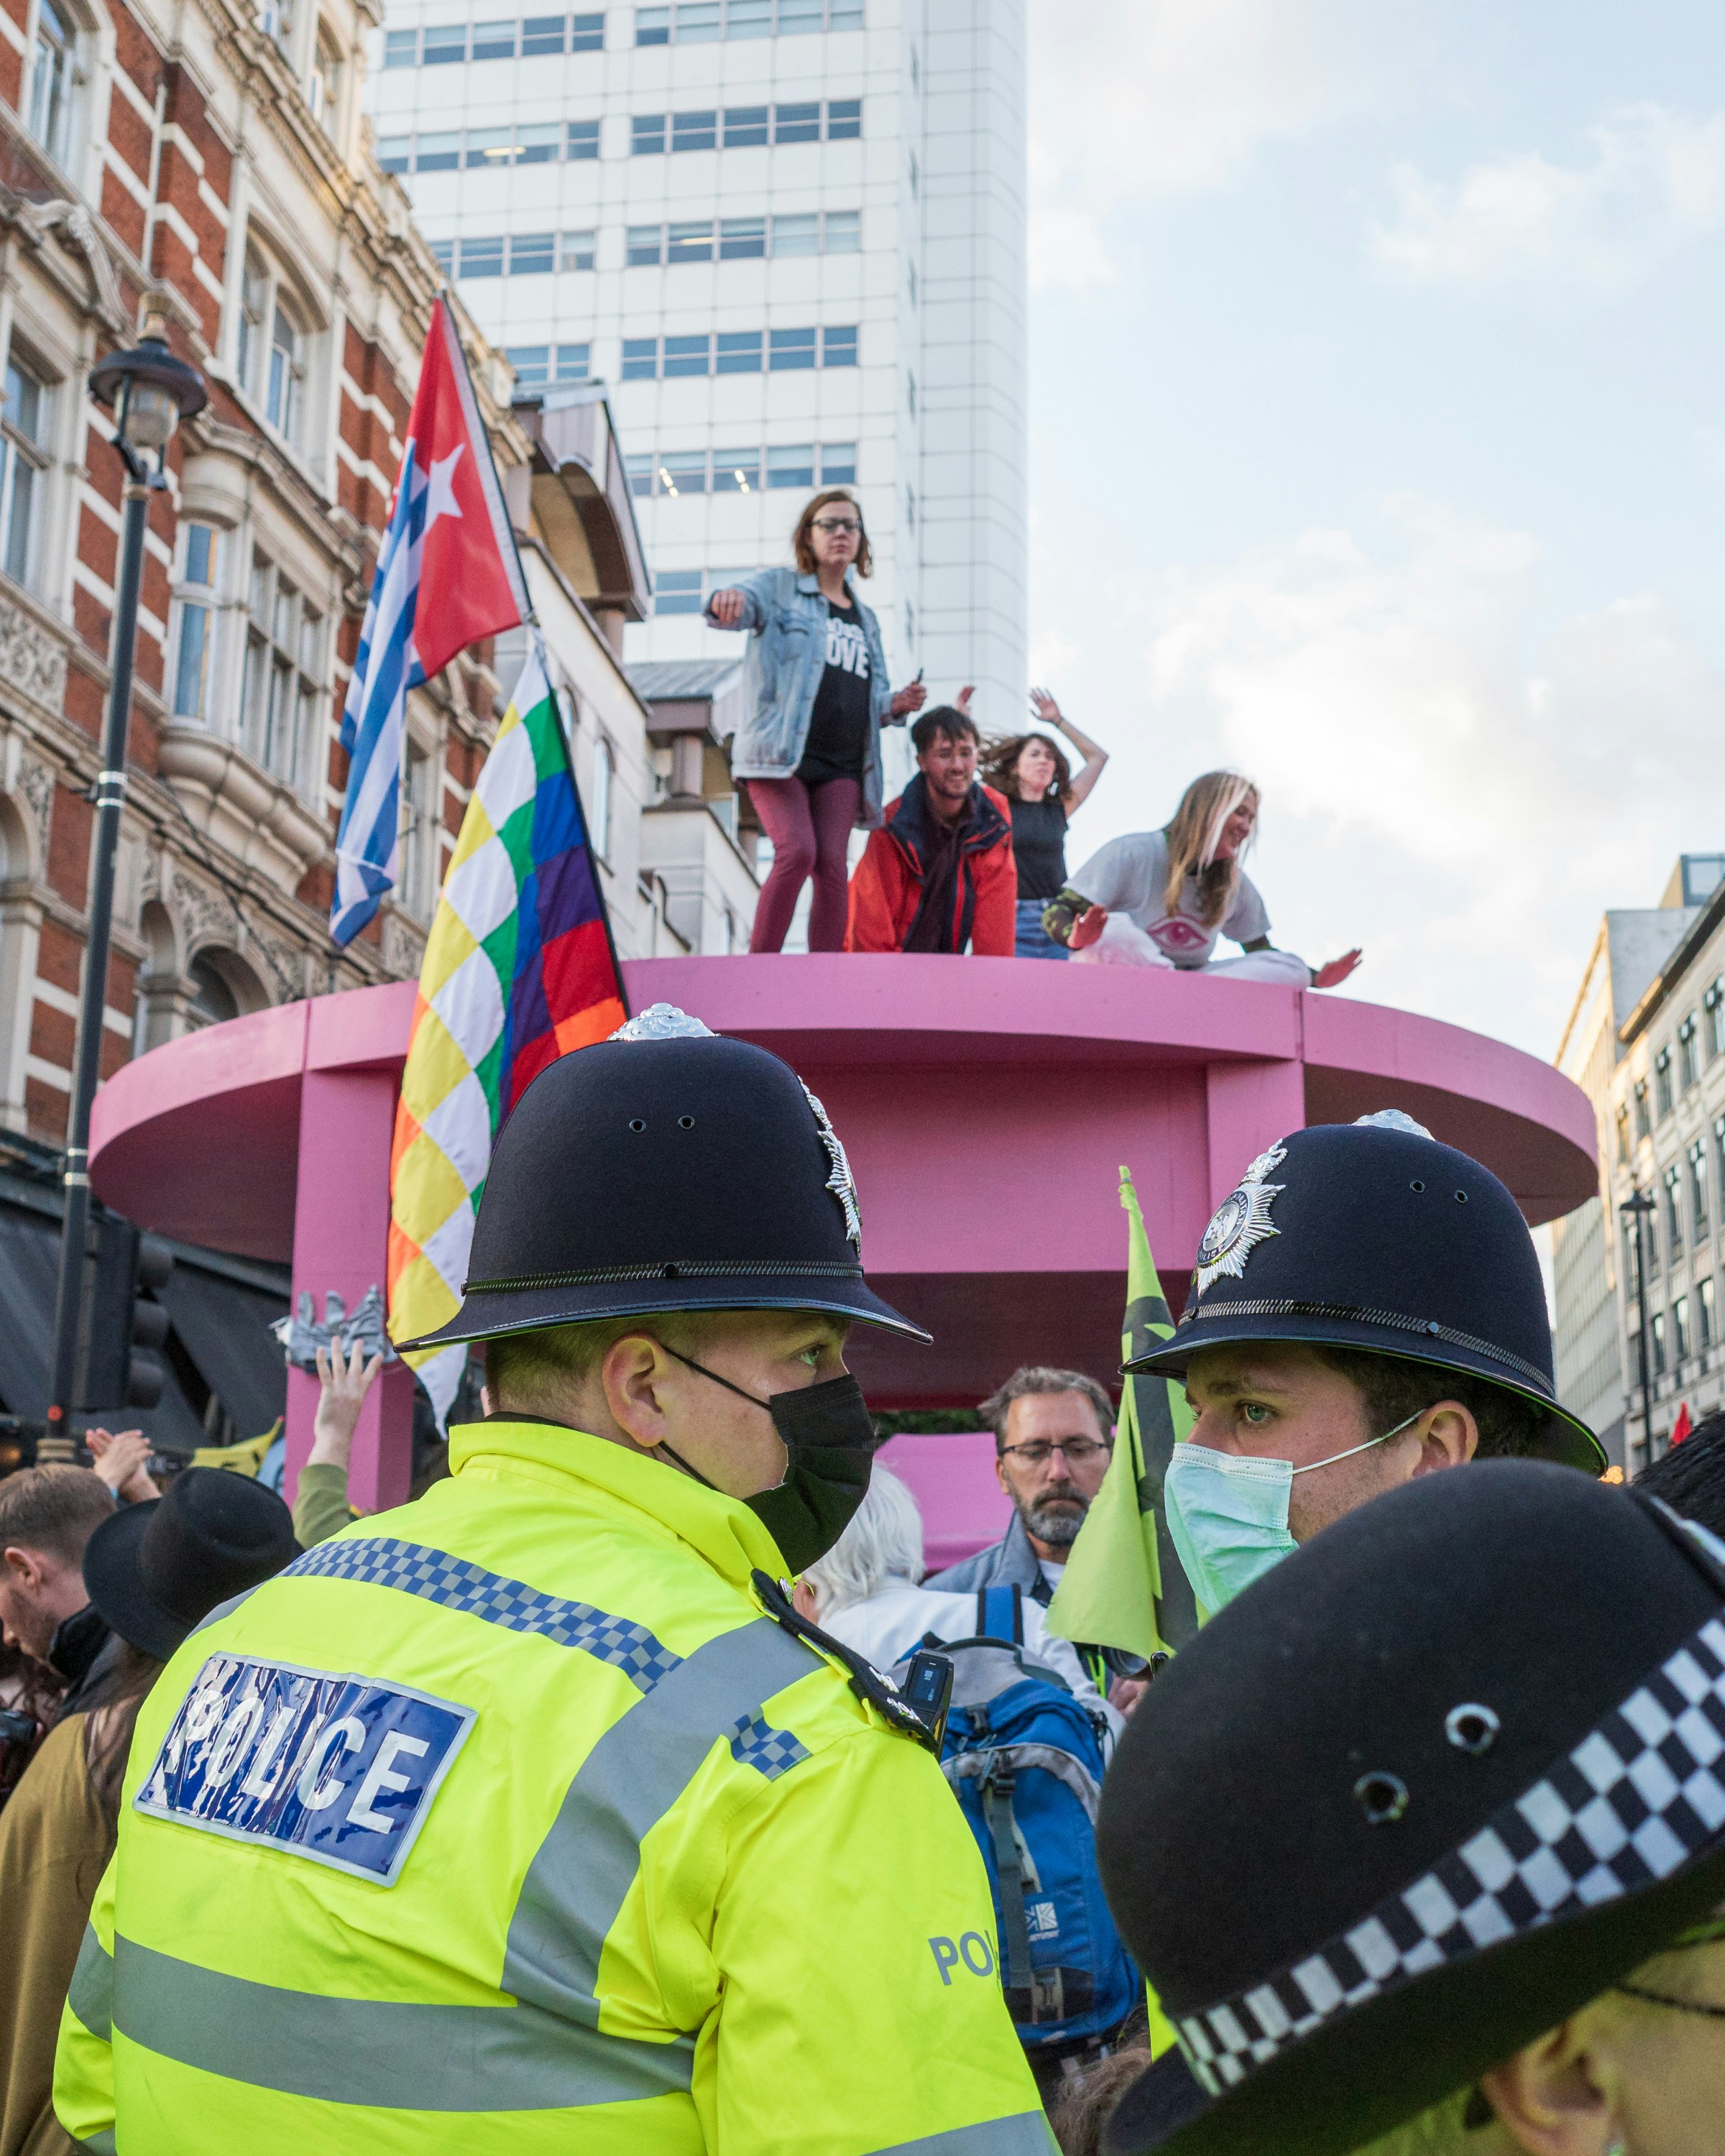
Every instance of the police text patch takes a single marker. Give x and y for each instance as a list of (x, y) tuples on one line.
[(338, 1768)]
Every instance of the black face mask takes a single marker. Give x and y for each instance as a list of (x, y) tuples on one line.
[(830, 1435)]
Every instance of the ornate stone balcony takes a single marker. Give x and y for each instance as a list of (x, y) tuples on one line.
[(231, 798)]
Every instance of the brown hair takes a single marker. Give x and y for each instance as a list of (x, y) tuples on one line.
[(999, 767), (802, 547), (1087, 2100), (1192, 836), (1393, 1387), (535, 1369), (55, 1510), (1038, 1378)]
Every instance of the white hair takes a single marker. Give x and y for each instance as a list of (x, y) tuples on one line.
[(883, 1542)]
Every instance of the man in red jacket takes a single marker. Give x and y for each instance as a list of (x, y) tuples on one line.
[(939, 874)]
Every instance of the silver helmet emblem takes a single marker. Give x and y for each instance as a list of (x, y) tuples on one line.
[(841, 1183), (1241, 1222)]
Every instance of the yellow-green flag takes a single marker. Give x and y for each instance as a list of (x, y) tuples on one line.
[(1123, 1585)]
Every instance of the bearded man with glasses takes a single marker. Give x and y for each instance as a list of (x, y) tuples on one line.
[(1053, 1434)]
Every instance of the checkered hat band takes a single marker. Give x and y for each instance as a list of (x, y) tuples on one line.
[(1635, 1801)]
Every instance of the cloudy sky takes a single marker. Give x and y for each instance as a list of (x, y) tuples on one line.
[(1378, 448)]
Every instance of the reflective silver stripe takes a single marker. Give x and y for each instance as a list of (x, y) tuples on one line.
[(1028, 2134), (403, 2057), (234, 1602), (91, 1997), (576, 1884)]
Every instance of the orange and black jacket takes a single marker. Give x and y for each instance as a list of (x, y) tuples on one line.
[(977, 905)]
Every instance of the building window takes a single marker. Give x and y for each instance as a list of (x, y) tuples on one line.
[(51, 71), (200, 560), (586, 34), (792, 465), (580, 250), (495, 41), (689, 242), (653, 26), (284, 667), (640, 359), (272, 345), (838, 347), (683, 471), (446, 44), (1714, 1002), (287, 374), (419, 831), (324, 90), (1698, 1189), (574, 361), (747, 127), (686, 355), (1688, 1059), (1658, 1331), (1680, 1344), (437, 153), (695, 130), (647, 134), (401, 48), (395, 153), (1644, 1121), (841, 233), (1673, 1212), (582, 140), (598, 809), (1622, 1136), (843, 119), (790, 351), (24, 454), (532, 254), (490, 147), (739, 351), (677, 591), (213, 1001), (1704, 1313), (838, 464), (701, 22), (640, 470), (644, 246), (742, 238), (797, 123), (797, 235), (1662, 1083), (538, 364)]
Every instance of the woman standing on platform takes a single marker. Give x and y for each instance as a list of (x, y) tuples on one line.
[(816, 695), (1033, 774)]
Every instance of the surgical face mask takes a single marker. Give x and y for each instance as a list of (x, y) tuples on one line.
[(1228, 1512), (828, 1437)]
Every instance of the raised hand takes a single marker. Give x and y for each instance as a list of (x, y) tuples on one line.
[(1337, 971), (724, 609), (961, 702), (1042, 702), (1087, 927), (345, 1377), (906, 700), (120, 1461)]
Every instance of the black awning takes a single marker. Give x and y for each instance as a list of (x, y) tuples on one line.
[(224, 1325)]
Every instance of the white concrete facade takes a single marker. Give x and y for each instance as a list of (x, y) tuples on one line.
[(835, 197)]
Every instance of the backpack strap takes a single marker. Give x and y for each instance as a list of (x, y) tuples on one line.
[(1000, 1613)]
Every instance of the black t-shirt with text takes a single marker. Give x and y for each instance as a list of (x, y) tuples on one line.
[(839, 725)]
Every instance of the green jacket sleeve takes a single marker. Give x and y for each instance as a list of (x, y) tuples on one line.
[(320, 1507), (861, 2009)]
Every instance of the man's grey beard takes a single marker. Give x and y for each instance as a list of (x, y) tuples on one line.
[(1058, 1527)]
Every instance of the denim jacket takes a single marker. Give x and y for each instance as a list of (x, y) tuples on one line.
[(787, 655)]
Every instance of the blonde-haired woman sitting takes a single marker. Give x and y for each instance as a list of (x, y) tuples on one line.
[(1164, 898)]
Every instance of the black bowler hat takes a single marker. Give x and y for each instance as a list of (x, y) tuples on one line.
[(155, 1570), (1451, 1769), (666, 1168), (1372, 1235)]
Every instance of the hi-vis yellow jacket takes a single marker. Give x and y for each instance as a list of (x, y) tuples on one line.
[(507, 1822)]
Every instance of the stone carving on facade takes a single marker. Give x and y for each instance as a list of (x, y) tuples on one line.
[(403, 946), (204, 917), (35, 788), (285, 965), (75, 220), (30, 659)]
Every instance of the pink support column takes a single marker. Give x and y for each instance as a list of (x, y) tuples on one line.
[(340, 1241), (1251, 1105)]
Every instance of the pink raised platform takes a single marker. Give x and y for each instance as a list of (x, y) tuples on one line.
[(987, 1105)]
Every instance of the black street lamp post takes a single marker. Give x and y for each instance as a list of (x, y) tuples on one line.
[(1638, 1207), (149, 392)]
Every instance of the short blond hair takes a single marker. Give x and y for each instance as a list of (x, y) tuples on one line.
[(55, 1510)]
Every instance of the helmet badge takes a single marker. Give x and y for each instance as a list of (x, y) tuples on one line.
[(1241, 1222), (840, 1182)]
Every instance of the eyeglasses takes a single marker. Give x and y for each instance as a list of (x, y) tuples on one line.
[(1076, 1451), (1680, 2005), (837, 524)]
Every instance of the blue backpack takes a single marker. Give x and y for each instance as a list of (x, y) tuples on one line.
[(1025, 1760)]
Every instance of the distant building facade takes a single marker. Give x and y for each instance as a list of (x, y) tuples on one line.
[(1645, 1040), (789, 234)]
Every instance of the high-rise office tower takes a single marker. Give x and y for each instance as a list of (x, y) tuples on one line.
[(789, 236)]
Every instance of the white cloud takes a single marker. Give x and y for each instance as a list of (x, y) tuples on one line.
[(1653, 180), (1460, 796), (1134, 98)]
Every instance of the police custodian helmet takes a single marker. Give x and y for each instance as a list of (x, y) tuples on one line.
[(1373, 1235), (666, 1168)]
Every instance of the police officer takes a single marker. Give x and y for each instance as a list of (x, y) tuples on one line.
[(1367, 1308), (531, 1817)]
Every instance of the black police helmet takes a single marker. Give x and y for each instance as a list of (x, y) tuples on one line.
[(1372, 1235), (1469, 1747), (666, 1168)]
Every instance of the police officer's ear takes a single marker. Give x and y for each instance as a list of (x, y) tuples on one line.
[(1449, 1437), (632, 1375), (1557, 2097)]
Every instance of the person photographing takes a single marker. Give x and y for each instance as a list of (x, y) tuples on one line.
[(1033, 775)]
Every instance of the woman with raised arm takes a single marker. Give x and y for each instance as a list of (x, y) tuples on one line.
[(1033, 772), (1164, 898), (816, 697)]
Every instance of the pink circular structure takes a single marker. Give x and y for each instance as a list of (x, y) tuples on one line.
[(987, 1105)]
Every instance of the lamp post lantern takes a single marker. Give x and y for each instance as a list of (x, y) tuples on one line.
[(1637, 1207), (149, 392)]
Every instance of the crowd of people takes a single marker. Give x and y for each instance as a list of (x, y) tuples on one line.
[(971, 856)]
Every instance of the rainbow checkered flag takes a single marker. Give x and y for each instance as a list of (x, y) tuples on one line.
[(1123, 1585), (519, 970)]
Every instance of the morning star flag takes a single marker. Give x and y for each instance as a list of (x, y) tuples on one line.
[(447, 574), (1123, 1585), (518, 971)]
